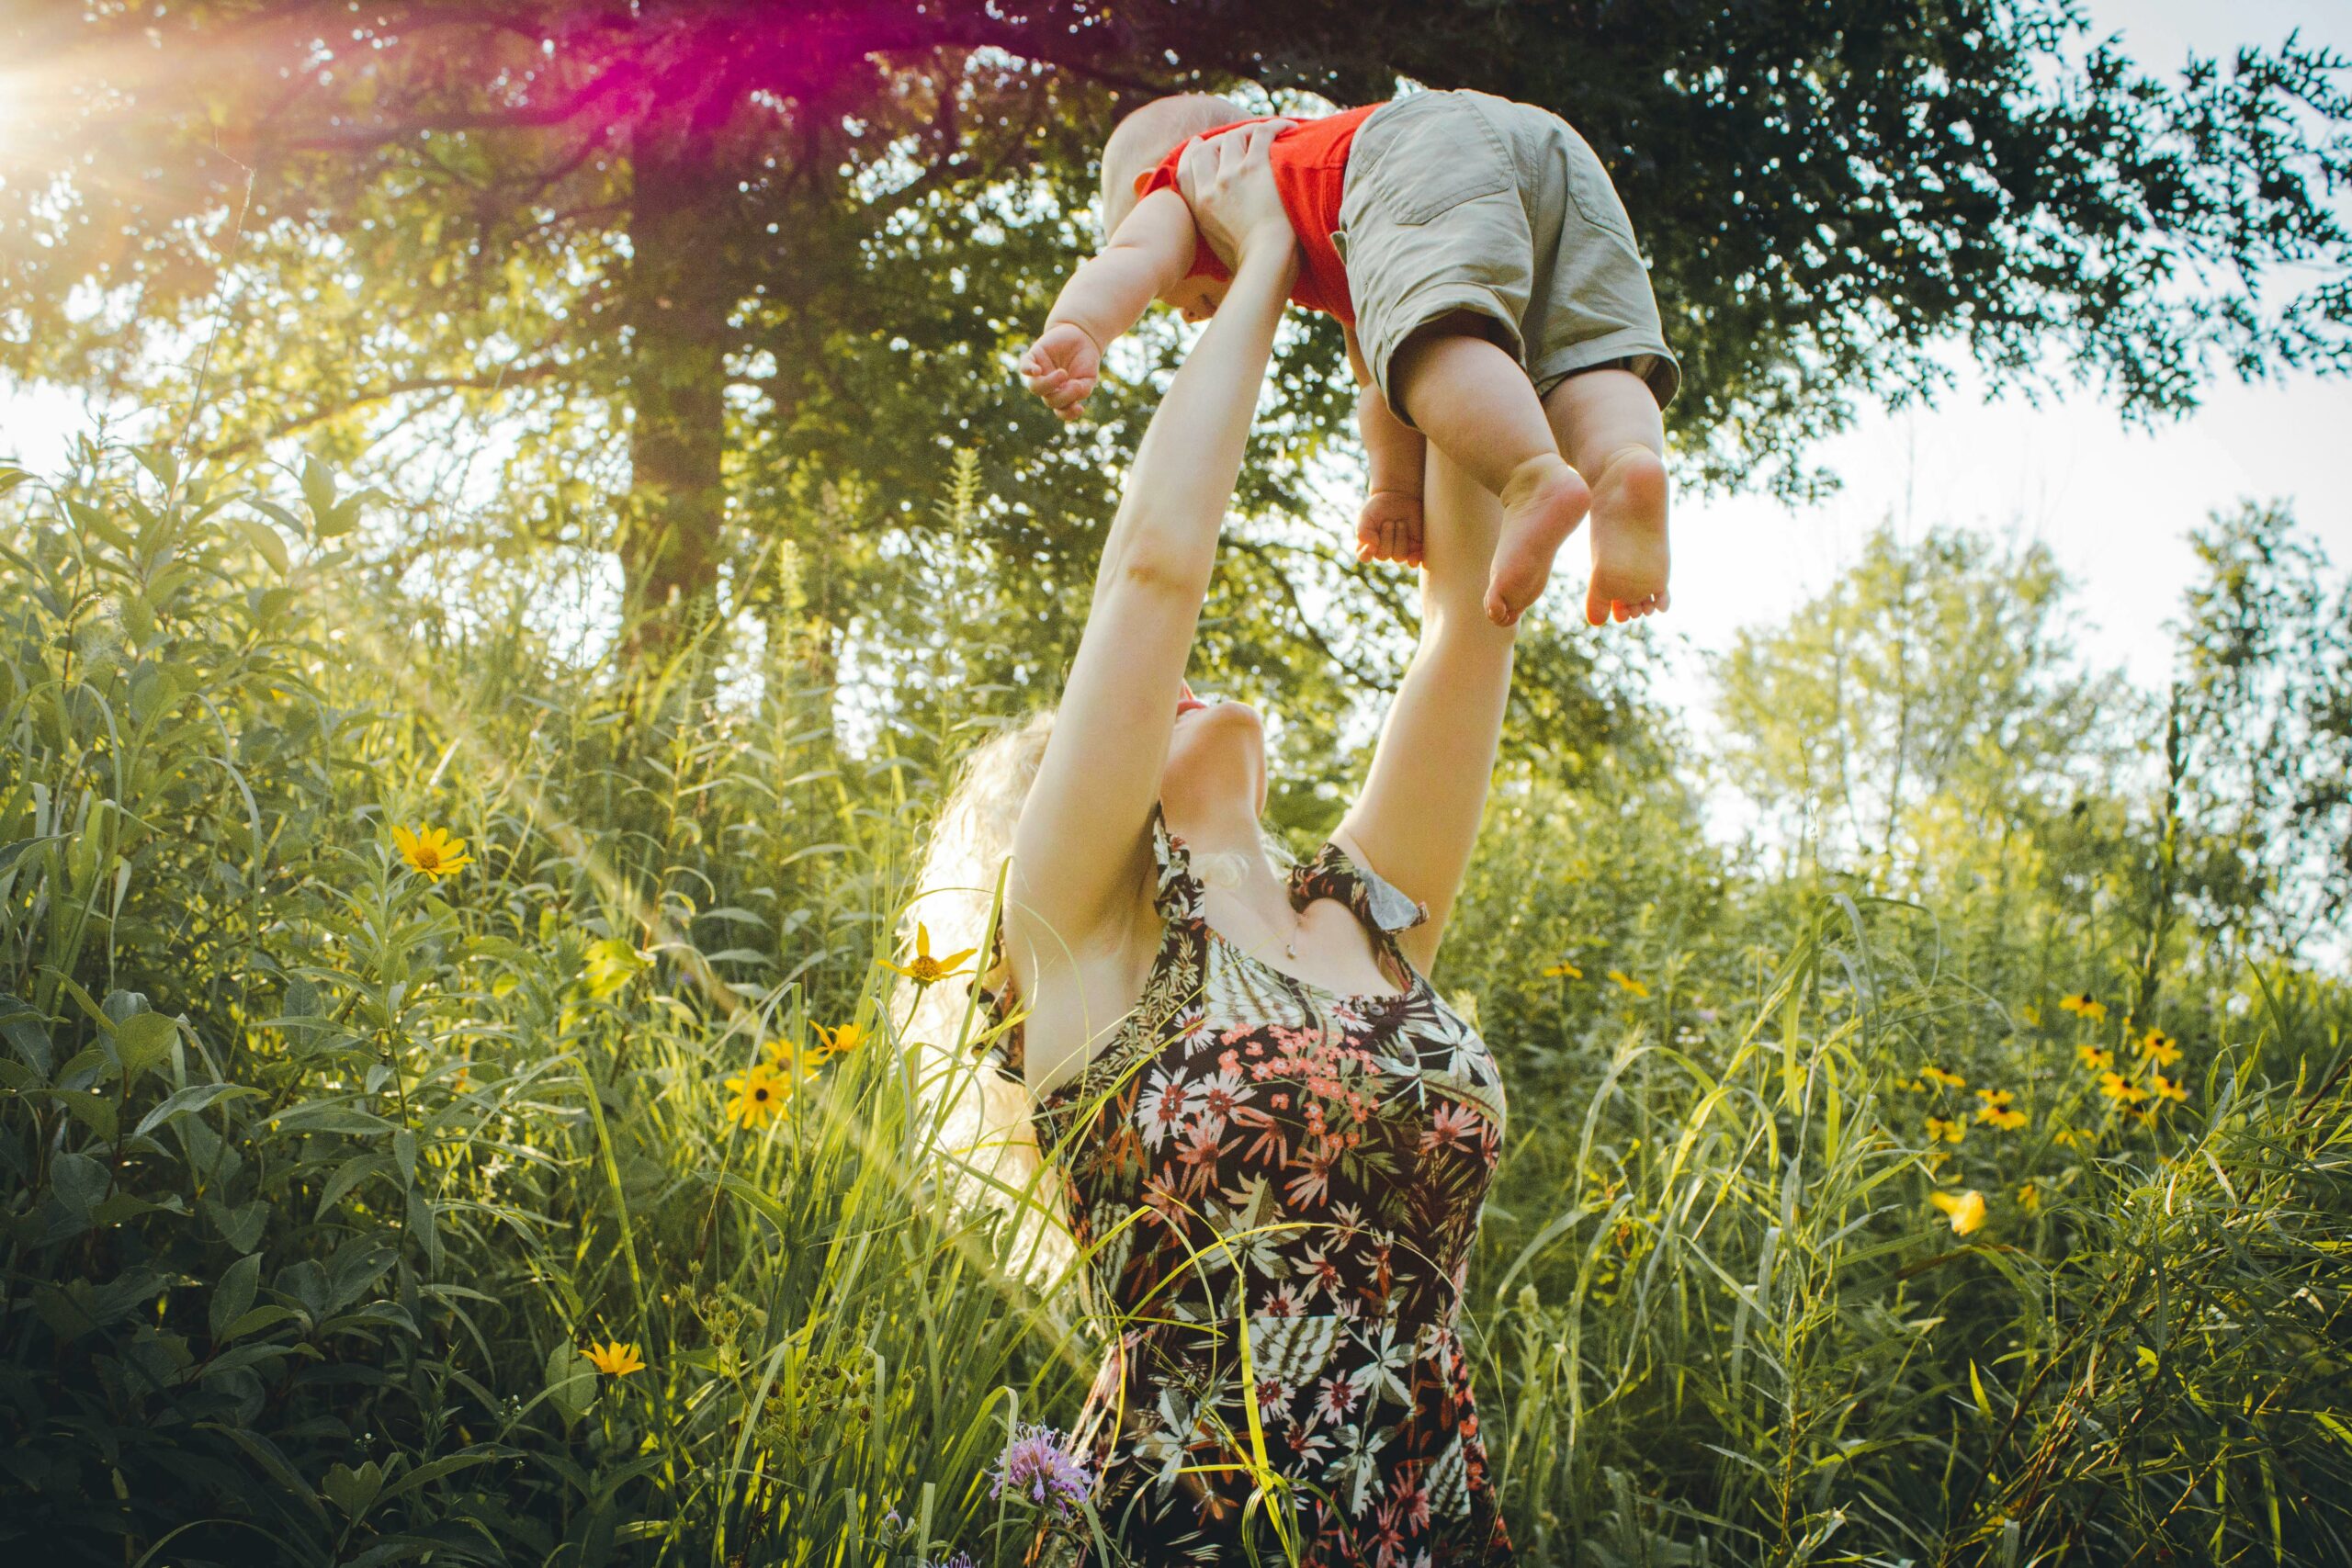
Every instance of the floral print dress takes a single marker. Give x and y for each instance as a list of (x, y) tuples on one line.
[(1252, 1148)]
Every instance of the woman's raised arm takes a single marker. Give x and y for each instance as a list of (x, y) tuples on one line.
[(1418, 817), (1081, 846)]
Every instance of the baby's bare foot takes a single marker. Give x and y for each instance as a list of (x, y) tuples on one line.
[(1542, 503), (1389, 527), (1629, 554)]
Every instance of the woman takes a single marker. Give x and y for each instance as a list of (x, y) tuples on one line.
[(1258, 1109)]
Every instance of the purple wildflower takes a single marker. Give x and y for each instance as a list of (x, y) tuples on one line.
[(1035, 1464)]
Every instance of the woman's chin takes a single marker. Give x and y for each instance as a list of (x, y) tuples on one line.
[(1216, 761)]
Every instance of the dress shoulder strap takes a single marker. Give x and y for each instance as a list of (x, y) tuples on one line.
[(1384, 909)]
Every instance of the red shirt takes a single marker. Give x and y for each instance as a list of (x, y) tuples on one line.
[(1310, 162)]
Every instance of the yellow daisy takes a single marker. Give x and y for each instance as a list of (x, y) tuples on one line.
[(1934, 1074), (756, 1097), (2167, 1089), (924, 969), (1949, 1129), (432, 850), (615, 1359), (1996, 1109), (840, 1041), (1563, 970), (2082, 1004), (1629, 982), (2160, 1048), (1965, 1210), (2030, 1197), (2121, 1090), (2093, 1057)]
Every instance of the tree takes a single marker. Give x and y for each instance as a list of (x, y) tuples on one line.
[(685, 267), (1934, 674), (2264, 706)]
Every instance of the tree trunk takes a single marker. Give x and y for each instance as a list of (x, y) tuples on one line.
[(674, 517)]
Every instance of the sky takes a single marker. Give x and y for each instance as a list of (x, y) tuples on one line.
[(2115, 503)]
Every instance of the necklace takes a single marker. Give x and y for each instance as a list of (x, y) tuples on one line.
[(1298, 923)]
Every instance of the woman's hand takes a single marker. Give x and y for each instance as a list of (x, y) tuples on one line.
[(1228, 182)]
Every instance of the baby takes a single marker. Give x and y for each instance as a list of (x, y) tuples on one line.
[(1485, 272)]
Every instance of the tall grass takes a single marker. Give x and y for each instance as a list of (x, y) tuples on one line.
[(319, 1175)]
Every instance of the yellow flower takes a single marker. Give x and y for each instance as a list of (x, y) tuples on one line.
[(2121, 1090), (615, 1359), (1965, 1210), (789, 1062), (923, 968), (2166, 1088), (2030, 1197), (1949, 1130), (1934, 1074), (1996, 1109), (1563, 970), (2096, 1059), (2083, 1005), (2073, 1137), (840, 1041), (2160, 1048), (2032, 1014), (756, 1097), (610, 965), (1629, 982), (432, 850)]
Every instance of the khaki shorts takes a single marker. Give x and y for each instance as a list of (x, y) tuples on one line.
[(1462, 202)]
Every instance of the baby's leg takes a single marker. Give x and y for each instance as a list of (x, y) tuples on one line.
[(1608, 423), (1476, 404)]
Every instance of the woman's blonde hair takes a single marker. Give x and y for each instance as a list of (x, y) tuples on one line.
[(979, 1116)]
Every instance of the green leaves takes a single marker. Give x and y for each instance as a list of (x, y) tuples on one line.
[(332, 514), (353, 1491), (570, 1381), (141, 1041), (233, 1295), (265, 540)]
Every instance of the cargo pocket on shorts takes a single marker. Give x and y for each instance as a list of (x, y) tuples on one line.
[(1448, 154), (1595, 198)]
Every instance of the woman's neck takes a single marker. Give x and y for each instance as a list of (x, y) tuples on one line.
[(1234, 838)]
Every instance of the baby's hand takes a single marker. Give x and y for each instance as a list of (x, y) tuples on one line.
[(1062, 367), (1389, 527)]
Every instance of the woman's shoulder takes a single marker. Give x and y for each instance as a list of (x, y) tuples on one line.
[(1339, 869)]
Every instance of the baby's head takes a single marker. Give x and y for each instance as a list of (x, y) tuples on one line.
[(1139, 142)]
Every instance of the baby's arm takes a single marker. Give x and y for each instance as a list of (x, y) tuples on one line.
[(1390, 525), (1151, 252)]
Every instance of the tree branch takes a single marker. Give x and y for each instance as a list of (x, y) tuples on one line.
[(506, 375)]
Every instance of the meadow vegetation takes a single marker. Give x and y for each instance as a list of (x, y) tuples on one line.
[(451, 1108)]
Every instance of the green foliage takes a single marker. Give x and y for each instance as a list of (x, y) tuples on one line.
[(321, 1177), (1931, 678), (698, 264), (319, 1172)]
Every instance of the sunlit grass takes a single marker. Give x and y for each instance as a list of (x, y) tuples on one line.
[(428, 1201)]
